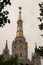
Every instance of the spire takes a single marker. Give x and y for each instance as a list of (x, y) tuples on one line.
[(19, 13), (19, 25), (6, 46), (6, 52), (35, 45)]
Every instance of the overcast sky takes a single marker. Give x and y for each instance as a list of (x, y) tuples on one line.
[(30, 13)]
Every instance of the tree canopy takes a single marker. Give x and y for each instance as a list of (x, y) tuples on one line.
[(4, 14), (41, 16), (11, 61), (39, 51)]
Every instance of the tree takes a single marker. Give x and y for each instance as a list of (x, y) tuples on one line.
[(41, 16), (1, 59), (39, 51), (11, 61), (3, 14)]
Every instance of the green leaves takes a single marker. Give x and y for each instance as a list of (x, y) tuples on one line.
[(41, 16), (4, 14), (41, 26), (10, 61), (41, 11), (39, 51)]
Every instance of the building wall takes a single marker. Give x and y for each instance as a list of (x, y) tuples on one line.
[(36, 60), (20, 48)]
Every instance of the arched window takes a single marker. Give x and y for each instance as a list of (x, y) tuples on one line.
[(15, 47), (16, 54), (21, 63), (20, 54), (27, 64), (20, 46)]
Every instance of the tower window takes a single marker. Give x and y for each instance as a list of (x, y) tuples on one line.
[(20, 41), (25, 47), (21, 63), (15, 46), (20, 54), (16, 54), (20, 46), (26, 64)]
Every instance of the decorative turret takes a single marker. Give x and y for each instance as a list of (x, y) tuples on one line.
[(35, 45), (6, 52), (36, 60), (36, 49), (19, 25), (6, 46)]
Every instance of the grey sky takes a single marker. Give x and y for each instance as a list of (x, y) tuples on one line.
[(30, 12)]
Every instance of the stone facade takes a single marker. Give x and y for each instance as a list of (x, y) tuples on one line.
[(6, 52), (20, 47), (36, 60)]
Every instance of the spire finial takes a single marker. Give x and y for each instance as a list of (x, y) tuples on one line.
[(19, 25), (19, 13), (6, 47), (35, 45)]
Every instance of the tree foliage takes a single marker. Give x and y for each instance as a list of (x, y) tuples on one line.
[(4, 14), (41, 16), (39, 51), (11, 61)]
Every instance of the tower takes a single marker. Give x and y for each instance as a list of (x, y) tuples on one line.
[(19, 25), (36, 60), (6, 52), (19, 45)]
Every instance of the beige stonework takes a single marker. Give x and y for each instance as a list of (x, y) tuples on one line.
[(6, 55), (20, 48), (36, 60)]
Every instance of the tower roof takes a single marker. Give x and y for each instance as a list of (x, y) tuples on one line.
[(19, 25), (6, 46), (35, 45)]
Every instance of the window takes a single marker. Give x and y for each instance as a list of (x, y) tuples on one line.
[(20, 54), (20, 41), (15, 46), (26, 64), (16, 54), (25, 47), (21, 63), (20, 46)]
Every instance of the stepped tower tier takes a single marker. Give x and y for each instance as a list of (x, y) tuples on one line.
[(19, 25), (19, 45)]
